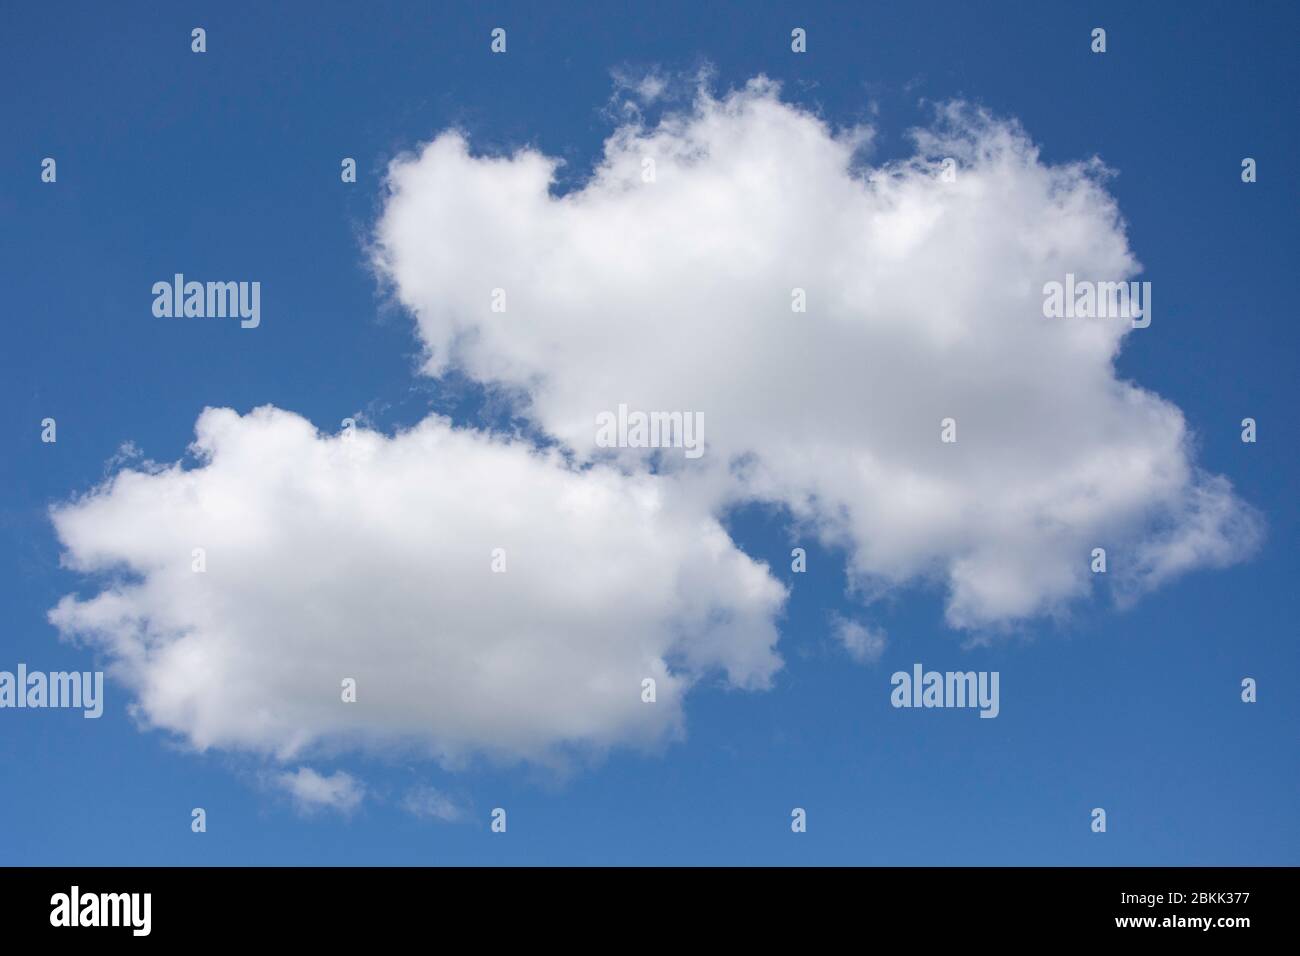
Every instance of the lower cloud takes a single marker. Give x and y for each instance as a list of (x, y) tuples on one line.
[(441, 591)]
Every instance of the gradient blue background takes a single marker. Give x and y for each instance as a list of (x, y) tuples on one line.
[(227, 165)]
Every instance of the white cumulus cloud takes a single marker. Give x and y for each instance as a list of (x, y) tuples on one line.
[(924, 302), (371, 558)]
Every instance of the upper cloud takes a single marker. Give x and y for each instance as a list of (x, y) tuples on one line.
[(924, 302)]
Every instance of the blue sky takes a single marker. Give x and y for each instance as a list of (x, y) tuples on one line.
[(226, 165)]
